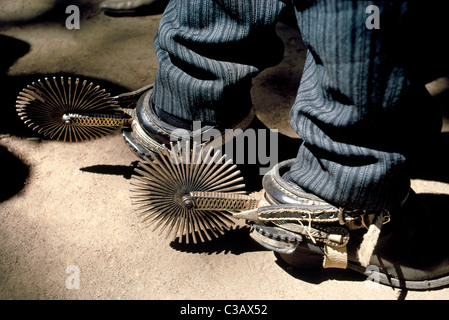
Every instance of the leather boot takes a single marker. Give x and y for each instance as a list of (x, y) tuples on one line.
[(399, 247), (149, 133)]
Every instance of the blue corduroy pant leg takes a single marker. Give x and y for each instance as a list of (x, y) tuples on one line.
[(360, 109), (208, 52), (357, 106)]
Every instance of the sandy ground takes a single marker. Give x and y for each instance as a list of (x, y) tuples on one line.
[(65, 208)]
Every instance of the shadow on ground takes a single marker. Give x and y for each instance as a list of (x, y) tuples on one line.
[(317, 276), (117, 170), (434, 165), (14, 174), (235, 241)]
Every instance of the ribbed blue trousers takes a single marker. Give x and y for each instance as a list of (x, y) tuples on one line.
[(362, 109)]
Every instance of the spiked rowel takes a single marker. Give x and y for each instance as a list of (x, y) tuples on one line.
[(69, 110), (189, 192)]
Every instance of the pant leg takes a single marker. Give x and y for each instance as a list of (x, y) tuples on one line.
[(359, 109), (208, 52)]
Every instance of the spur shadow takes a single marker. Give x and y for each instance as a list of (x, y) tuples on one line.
[(234, 241), (118, 170)]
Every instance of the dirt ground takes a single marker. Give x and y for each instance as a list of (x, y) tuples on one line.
[(65, 208)]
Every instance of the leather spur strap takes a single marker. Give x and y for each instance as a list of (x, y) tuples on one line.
[(291, 223)]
